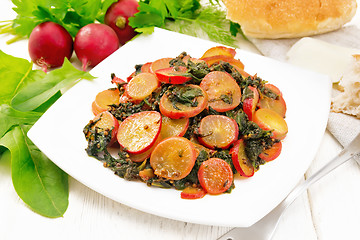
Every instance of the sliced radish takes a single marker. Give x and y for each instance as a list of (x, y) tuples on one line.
[(138, 132), (278, 105), (146, 67), (173, 75), (250, 103), (173, 127), (223, 92), (160, 64), (215, 176), (105, 98), (193, 193), (106, 122), (268, 119), (173, 158), (271, 153), (141, 86), (219, 50), (218, 131), (241, 162), (178, 110)]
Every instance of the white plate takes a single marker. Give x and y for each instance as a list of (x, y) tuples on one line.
[(58, 133)]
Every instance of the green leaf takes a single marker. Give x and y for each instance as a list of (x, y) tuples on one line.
[(147, 16), (43, 107), (189, 8), (208, 21), (235, 28), (15, 73), (160, 6), (145, 30), (105, 4), (173, 8), (10, 117), (37, 181), (71, 14), (88, 10), (36, 93), (213, 21), (25, 7), (5, 157)]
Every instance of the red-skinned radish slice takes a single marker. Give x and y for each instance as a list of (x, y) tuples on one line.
[(173, 75), (138, 132), (250, 103), (217, 131), (141, 86), (140, 157), (277, 105), (241, 162), (49, 43), (215, 175), (268, 119), (117, 80), (219, 50), (173, 158), (105, 98), (105, 121), (271, 153), (146, 67), (183, 111), (217, 59), (173, 127), (160, 64), (193, 193), (223, 92)]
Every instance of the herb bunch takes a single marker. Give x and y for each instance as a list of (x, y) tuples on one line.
[(71, 14), (188, 17), (207, 20)]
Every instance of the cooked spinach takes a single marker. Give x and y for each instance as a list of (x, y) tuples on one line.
[(255, 138), (123, 110), (184, 95), (197, 70), (98, 139)]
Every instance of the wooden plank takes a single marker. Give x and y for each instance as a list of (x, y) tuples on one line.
[(335, 198)]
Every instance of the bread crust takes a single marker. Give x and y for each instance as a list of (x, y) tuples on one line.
[(348, 100), (289, 18)]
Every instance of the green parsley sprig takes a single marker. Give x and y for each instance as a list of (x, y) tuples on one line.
[(189, 17), (71, 14)]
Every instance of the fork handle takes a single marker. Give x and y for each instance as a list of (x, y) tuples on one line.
[(352, 151)]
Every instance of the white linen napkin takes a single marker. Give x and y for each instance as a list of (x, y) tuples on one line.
[(343, 127)]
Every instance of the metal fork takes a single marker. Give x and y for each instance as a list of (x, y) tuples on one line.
[(265, 228)]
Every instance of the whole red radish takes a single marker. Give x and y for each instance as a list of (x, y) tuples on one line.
[(49, 44), (117, 18), (93, 43)]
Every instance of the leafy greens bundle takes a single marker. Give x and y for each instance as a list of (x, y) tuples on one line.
[(71, 14), (25, 94), (189, 17)]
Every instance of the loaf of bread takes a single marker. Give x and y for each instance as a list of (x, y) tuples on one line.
[(348, 101), (289, 18)]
